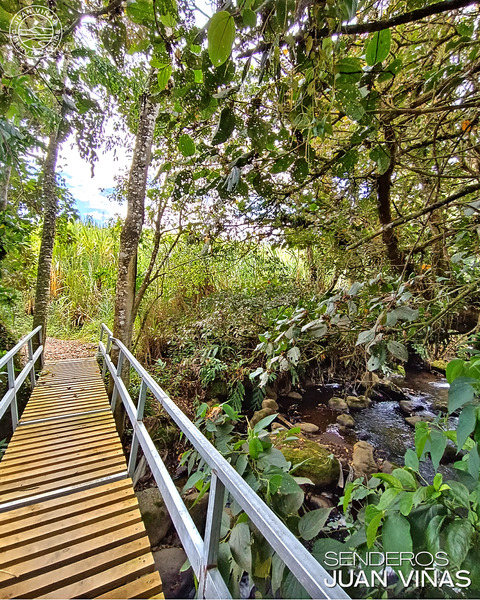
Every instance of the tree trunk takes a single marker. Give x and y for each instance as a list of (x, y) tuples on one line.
[(384, 185), (4, 184), (50, 208), (131, 231)]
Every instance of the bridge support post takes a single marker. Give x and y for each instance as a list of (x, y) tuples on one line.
[(11, 386), (132, 461)]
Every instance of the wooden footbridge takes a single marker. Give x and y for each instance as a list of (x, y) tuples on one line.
[(70, 526)]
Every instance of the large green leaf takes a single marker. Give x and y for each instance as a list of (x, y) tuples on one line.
[(378, 47), (225, 127), (454, 369), (466, 424), (398, 350), (186, 145), (396, 536), (240, 546), (437, 448), (163, 75), (221, 35), (458, 538), (381, 157), (432, 533), (312, 522), (461, 392)]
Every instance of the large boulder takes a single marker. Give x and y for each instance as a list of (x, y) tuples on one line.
[(155, 515), (345, 420), (358, 402), (308, 427), (175, 584), (337, 403), (294, 396), (318, 463), (197, 509), (406, 406), (418, 418), (271, 404), (363, 461), (261, 414)]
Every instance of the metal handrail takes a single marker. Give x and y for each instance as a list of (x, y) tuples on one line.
[(14, 384), (202, 553)]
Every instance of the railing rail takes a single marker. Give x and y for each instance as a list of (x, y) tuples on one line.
[(9, 399), (202, 553)]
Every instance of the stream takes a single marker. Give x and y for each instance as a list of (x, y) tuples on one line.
[(382, 424)]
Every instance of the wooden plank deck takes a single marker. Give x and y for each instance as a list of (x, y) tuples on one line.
[(70, 526)]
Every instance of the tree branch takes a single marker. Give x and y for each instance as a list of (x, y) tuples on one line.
[(401, 220)]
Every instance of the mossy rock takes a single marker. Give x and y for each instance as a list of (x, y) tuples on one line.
[(439, 365), (217, 390), (319, 466)]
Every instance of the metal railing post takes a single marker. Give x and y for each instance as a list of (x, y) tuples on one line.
[(132, 461), (40, 343), (107, 351), (11, 386), (121, 357), (32, 369)]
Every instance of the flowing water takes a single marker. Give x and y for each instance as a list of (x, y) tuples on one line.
[(382, 424)]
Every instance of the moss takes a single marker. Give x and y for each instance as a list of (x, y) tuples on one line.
[(439, 365), (319, 466)]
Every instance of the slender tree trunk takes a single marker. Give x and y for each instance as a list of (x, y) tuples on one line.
[(50, 209), (131, 231), (384, 185), (4, 185)]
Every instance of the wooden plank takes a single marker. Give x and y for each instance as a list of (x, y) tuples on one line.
[(61, 464), (25, 492), (27, 517), (45, 453), (20, 464), (148, 586), (32, 430), (115, 576), (75, 580), (81, 527), (77, 406), (28, 481), (53, 558), (61, 438)]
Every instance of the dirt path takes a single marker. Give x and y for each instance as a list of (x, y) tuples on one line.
[(62, 349)]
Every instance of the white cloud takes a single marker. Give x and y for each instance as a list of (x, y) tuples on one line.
[(87, 190)]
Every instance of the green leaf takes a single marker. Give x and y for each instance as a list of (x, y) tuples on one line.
[(221, 35), (365, 337), (387, 498), (466, 424), (225, 126), (373, 528), (312, 522), (193, 480), (265, 422), (396, 535), (377, 358), (459, 493), (458, 536), (406, 479), (421, 437), (390, 479), (405, 503), (454, 369), (398, 350), (378, 47), (348, 494), (405, 313), (163, 75), (168, 12), (300, 170), (381, 156), (249, 17), (282, 163), (278, 567), (432, 534), (411, 459), (186, 145), (292, 588), (438, 445), (240, 546), (255, 447), (140, 12), (461, 392)]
